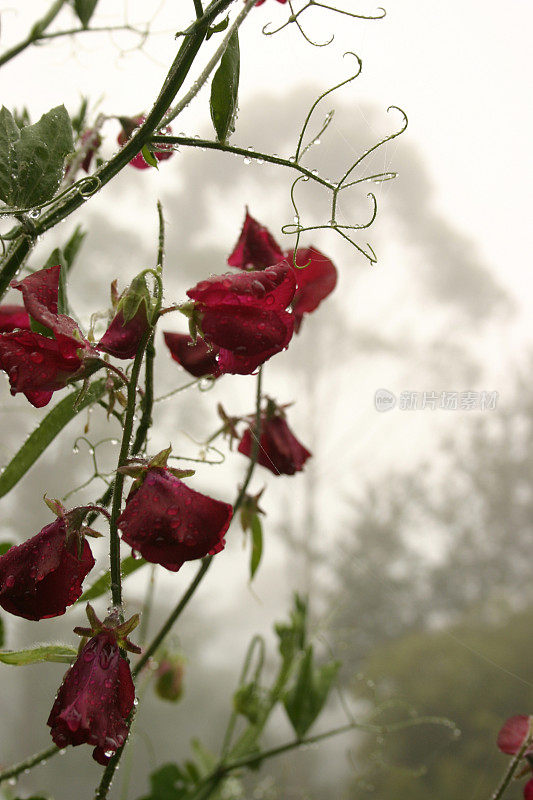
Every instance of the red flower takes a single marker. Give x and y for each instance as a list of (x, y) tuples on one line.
[(528, 790), (279, 450), (95, 698), (260, 2), (198, 359), (256, 247), (169, 523), (39, 365), (129, 124), (42, 576), (514, 733), (316, 279), (91, 140), (133, 310), (244, 315), (13, 317)]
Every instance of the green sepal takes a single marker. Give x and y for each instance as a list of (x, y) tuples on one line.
[(149, 156), (4, 547), (136, 293), (292, 637)]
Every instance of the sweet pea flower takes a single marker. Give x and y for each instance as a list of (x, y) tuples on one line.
[(279, 450), (36, 364), (315, 273), (512, 737), (244, 315), (97, 693), (169, 523), (198, 358), (130, 322), (42, 576), (129, 124)]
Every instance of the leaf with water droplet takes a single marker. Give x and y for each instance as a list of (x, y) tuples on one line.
[(31, 164), (225, 90)]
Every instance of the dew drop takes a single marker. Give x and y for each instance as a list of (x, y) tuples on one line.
[(247, 160)]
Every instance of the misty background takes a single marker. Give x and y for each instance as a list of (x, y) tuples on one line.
[(411, 530)]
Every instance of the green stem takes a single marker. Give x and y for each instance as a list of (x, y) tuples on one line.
[(36, 32), (28, 763), (114, 539), (510, 772), (209, 144), (179, 70), (206, 562), (148, 399), (172, 113)]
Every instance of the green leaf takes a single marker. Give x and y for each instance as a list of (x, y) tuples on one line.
[(292, 637), (304, 702), (4, 547), (52, 424), (206, 758), (36, 159), (225, 89), (9, 136), (85, 9), (221, 26), (103, 584), (44, 652), (257, 545), (70, 250), (169, 782)]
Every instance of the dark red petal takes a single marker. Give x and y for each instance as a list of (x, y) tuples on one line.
[(37, 365), (94, 699), (528, 790), (513, 734), (122, 339), (198, 359), (42, 576), (256, 247), (279, 450), (247, 330), (169, 523), (232, 364), (12, 317), (313, 282), (40, 294), (272, 288)]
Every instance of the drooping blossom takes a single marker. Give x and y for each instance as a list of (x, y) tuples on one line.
[(169, 523), (198, 358), (315, 273), (97, 693), (260, 2), (42, 576), (13, 317), (256, 247), (244, 315), (163, 151), (279, 450), (36, 364), (130, 322)]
